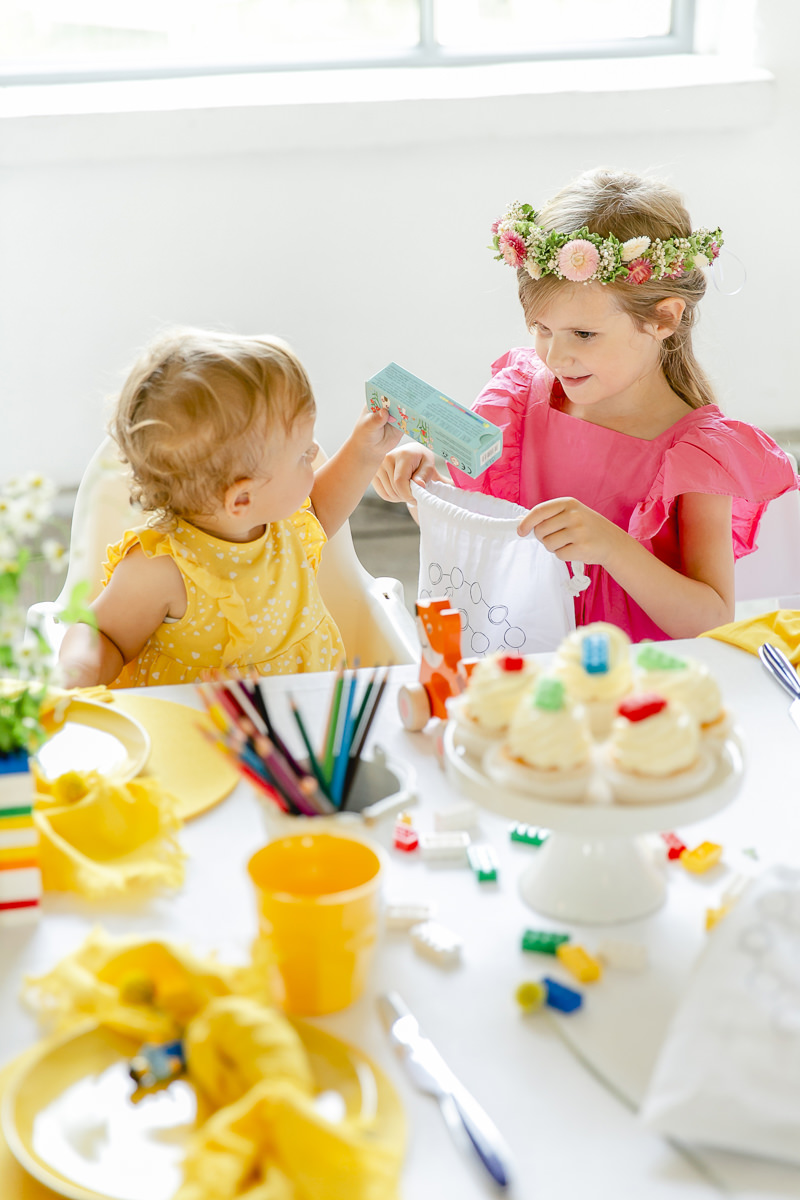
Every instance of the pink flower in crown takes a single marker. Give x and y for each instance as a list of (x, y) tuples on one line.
[(496, 224), (678, 270), (512, 248), (714, 250), (640, 270), (578, 260)]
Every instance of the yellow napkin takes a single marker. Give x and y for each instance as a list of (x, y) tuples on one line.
[(144, 988), (100, 838), (781, 628)]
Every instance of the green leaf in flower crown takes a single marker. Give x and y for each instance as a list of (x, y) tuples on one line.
[(77, 609)]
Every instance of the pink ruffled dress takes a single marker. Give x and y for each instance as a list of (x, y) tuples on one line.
[(548, 453)]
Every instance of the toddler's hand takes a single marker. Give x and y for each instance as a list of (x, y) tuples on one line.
[(416, 462), (572, 531), (373, 433)]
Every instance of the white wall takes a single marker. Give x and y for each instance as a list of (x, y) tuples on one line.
[(358, 229)]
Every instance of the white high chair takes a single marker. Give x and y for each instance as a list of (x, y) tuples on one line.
[(771, 574), (375, 625)]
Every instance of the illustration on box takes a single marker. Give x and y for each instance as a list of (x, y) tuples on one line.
[(459, 435)]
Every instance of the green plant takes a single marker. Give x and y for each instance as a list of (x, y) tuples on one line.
[(26, 658)]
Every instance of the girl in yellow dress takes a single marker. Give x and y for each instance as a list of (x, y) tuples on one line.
[(219, 433)]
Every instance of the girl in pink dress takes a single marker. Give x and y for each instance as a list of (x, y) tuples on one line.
[(611, 435)]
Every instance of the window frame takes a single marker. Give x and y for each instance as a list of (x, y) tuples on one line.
[(427, 53)]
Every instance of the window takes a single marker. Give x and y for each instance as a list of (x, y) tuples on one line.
[(64, 40)]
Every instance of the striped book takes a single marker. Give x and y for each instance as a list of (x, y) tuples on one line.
[(20, 873)]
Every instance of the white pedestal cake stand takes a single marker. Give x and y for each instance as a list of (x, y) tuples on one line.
[(597, 866)]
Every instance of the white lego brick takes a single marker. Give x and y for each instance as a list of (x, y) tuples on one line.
[(20, 883), (437, 943), (404, 915), (629, 956), (444, 847), (457, 817)]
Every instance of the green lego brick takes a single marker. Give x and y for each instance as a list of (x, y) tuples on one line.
[(529, 835), (483, 862), (541, 941)]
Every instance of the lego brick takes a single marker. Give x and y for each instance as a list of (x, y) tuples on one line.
[(562, 998), (702, 858), (404, 915), (483, 861), (530, 996), (22, 883), (675, 846), (444, 847), (579, 962), (529, 835), (542, 941), (435, 942), (12, 839), (463, 438)]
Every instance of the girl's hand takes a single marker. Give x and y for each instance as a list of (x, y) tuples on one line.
[(416, 462), (573, 532), (373, 435)]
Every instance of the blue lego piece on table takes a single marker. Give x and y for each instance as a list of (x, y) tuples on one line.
[(562, 998)]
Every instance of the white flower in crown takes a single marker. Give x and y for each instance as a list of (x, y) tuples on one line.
[(633, 248), (533, 268), (702, 260)]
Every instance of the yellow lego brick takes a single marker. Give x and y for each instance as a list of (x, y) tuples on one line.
[(702, 858), (579, 962)]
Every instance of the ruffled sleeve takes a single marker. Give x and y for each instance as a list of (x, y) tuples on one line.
[(153, 542), (519, 379), (310, 532), (720, 457)]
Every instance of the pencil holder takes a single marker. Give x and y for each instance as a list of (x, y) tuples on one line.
[(382, 787)]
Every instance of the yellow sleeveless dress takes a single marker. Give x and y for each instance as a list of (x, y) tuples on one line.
[(248, 604)]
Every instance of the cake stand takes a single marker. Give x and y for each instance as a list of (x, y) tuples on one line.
[(597, 866)]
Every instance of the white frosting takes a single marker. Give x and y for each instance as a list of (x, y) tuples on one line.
[(585, 686), (691, 686), (493, 694), (660, 745), (549, 740)]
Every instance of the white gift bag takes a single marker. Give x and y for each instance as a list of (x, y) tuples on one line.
[(728, 1074), (512, 594)]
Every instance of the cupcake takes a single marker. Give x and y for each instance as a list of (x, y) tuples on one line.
[(547, 751), (684, 681), (594, 665), (495, 686), (655, 753)]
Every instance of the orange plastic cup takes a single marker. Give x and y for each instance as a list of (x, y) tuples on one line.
[(318, 902)]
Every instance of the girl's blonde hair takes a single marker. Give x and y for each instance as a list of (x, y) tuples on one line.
[(628, 206), (194, 413)]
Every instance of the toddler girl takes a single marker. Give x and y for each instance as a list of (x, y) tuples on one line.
[(611, 436), (219, 434)]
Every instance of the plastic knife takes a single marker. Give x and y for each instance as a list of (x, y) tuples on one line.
[(431, 1074)]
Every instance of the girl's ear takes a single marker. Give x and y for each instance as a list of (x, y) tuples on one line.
[(238, 498), (668, 316)]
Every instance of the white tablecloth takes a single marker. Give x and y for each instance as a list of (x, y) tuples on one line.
[(563, 1113)]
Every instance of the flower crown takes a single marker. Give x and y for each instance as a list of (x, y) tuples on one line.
[(583, 256)]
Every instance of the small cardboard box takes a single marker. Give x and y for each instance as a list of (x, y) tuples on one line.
[(460, 436)]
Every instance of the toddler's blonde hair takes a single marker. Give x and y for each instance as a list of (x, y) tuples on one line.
[(194, 413), (627, 206)]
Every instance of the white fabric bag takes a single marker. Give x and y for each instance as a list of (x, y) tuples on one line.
[(728, 1074), (512, 594)]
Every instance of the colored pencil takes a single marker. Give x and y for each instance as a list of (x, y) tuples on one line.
[(255, 777), (333, 719), (312, 758), (361, 737), (345, 740)]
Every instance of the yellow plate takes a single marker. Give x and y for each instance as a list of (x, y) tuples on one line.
[(181, 759), (68, 1120), (93, 737)]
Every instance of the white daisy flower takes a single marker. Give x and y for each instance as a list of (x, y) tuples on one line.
[(633, 248), (701, 260), (55, 554)]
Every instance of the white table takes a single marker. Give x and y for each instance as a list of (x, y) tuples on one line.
[(571, 1135)]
